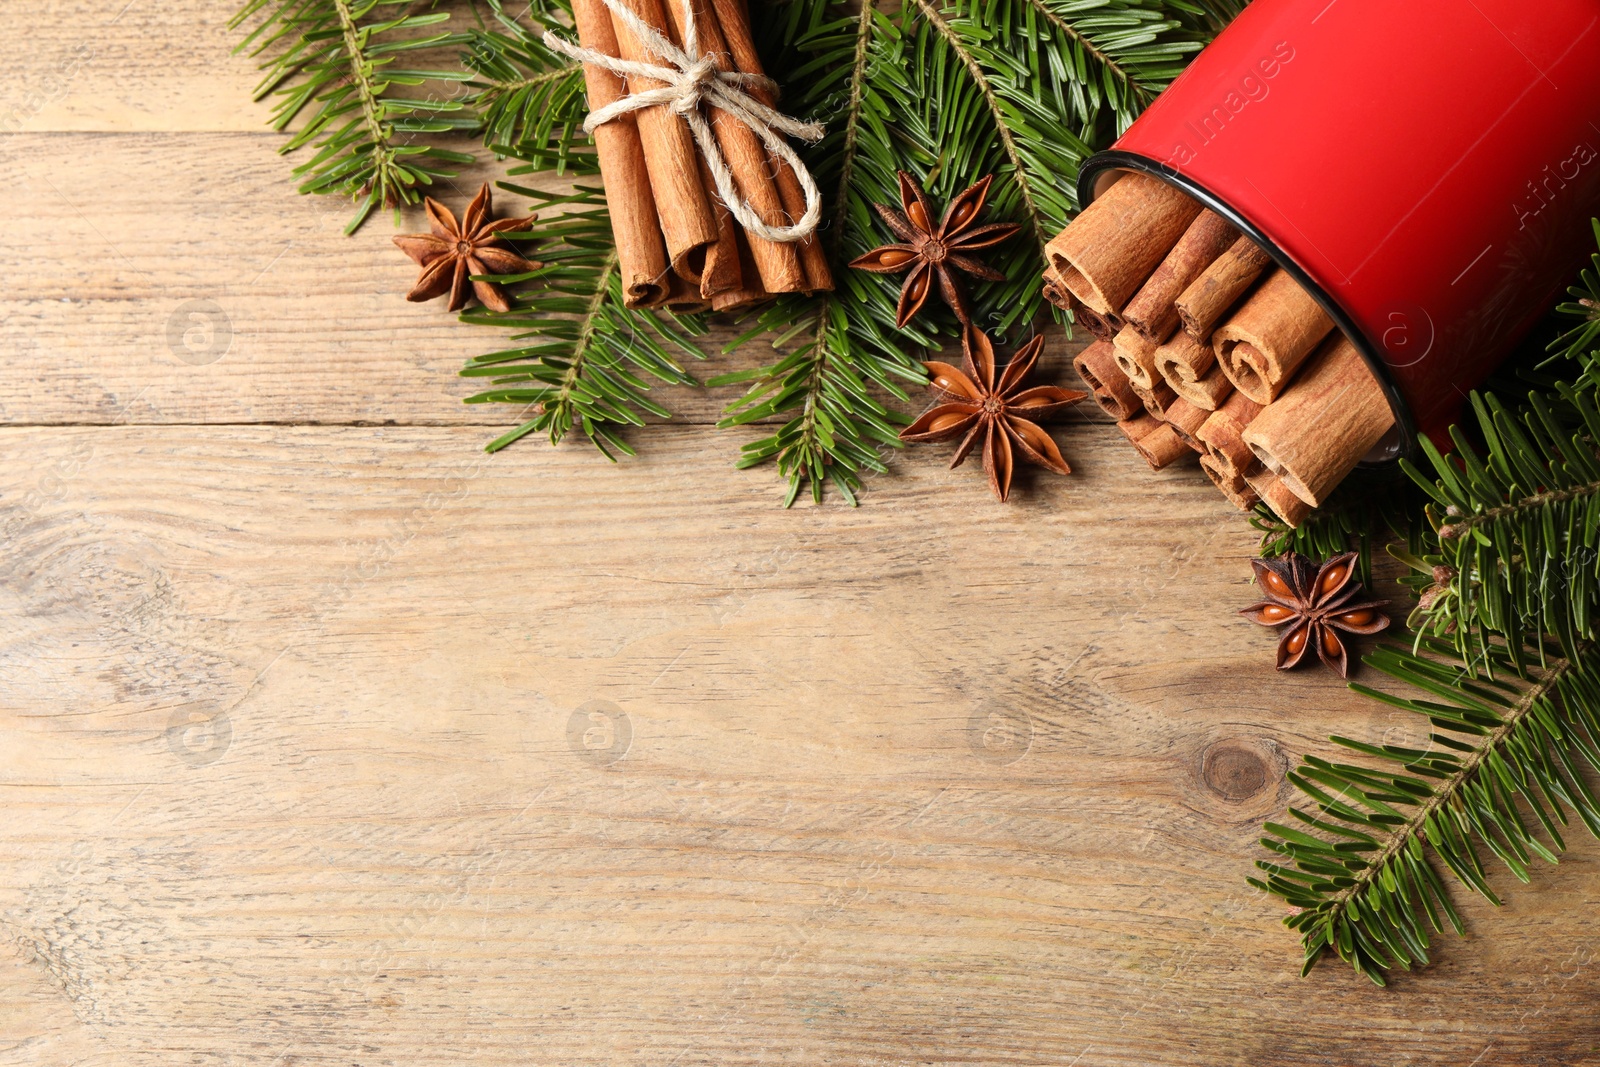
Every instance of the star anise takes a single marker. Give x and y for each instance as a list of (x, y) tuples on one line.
[(453, 252), (998, 413), (1314, 603), (930, 251)]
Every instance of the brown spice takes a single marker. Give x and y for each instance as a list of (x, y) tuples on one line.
[(989, 405), (1152, 311), (1097, 366), (1313, 604), (453, 252), (929, 251)]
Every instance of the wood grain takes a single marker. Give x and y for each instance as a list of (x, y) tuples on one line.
[(156, 296), (327, 740), (932, 780), (144, 65)]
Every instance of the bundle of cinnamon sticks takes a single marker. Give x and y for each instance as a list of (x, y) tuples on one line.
[(677, 243), (1205, 348)]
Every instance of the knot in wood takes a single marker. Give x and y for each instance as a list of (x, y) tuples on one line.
[(1233, 771)]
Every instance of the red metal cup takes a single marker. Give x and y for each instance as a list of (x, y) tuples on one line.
[(1425, 168)]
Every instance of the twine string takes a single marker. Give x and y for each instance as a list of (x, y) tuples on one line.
[(690, 82)]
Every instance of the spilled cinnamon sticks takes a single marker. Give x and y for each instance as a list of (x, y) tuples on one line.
[(1219, 288), (1153, 439), (1205, 346), (1191, 369), (1097, 366), (677, 243)]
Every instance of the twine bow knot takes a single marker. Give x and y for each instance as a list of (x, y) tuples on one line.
[(691, 81), (696, 86)]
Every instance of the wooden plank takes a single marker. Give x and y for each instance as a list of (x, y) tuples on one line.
[(214, 294), (333, 745), (127, 65)]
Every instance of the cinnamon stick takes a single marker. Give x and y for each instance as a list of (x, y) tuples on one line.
[(1208, 299), (683, 297), (1324, 423), (1277, 496), (1268, 339), (1186, 418), (1097, 366), (733, 16), (1223, 432), (723, 269), (1110, 249), (1137, 357), (687, 221), (749, 290), (1152, 311), (641, 255), (776, 264), (1190, 368), (1154, 440), (1231, 485), (1104, 327), (1156, 400), (1055, 292)]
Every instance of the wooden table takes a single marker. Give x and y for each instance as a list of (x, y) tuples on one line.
[(327, 739)]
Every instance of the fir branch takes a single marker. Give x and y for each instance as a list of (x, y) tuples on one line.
[(839, 425), (1002, 129), (1519, 524), (852, 115), (1142, 92), (834, 348), (531, 100), (1537, 502), (1363, 884), (1578, 342), (335, 58), (581, 355), (1084, 67)]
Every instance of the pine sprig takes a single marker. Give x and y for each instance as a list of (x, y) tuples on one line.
[(581, 358), (531, 100), (336, 58), (1359, 867), (1519, 524), (1063, 77)]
